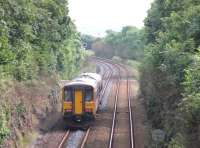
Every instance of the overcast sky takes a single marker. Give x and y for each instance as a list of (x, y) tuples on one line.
[(94, 17)]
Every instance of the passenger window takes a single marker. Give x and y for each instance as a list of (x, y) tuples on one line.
[(68, 95), (88, 95)]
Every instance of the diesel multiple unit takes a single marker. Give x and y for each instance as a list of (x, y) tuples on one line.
[(81, 98)]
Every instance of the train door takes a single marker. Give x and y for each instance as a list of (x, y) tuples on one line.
[(78, 101)]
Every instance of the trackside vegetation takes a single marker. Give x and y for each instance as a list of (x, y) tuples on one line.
[(126, 44), (37, 40), (170, 72)]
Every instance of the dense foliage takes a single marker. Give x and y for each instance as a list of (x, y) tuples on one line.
[(125, 44), (171, 71), (37, 39)]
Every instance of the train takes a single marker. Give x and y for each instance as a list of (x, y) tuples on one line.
[(80, 99)]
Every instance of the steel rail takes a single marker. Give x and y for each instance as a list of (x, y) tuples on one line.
[(132, 137), (64, 139), (109, 76), (107, 82), (115, 110), (131, 122), (85, 138)]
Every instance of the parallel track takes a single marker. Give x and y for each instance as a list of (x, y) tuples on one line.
[(131, 124), (132, 138), (114, 113)]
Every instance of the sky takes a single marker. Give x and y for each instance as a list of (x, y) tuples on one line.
[(94, 17)]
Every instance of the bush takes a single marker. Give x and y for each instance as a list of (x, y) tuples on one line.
[(4, 122)]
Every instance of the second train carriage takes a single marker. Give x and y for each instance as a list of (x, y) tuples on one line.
[(81, 98)]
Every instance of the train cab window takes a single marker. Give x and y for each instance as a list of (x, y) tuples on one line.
[(88, 94), (68, 95)]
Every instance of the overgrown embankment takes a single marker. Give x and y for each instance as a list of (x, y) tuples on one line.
[(23, 106), (170, 72), (39, 45)]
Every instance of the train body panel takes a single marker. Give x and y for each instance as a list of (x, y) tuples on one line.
[(81, 98), (78, 102)]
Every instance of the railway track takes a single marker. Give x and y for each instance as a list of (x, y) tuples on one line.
[(66, 135), (107, 75), (131, 125), (114, 112), (132, 137)]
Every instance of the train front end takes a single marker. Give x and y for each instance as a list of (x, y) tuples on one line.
[(78, 104), (81, 98)]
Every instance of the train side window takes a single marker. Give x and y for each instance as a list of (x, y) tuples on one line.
[(88, 95), (68, 95)]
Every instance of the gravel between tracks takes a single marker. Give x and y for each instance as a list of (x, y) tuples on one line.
[(74, 139)]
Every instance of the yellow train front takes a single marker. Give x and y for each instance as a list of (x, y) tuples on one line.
[(81, 98)]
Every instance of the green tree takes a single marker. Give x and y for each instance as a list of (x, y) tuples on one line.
[(126, 44), (169, 70)]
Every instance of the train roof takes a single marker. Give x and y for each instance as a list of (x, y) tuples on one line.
[(90, 79), (95, 76)]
